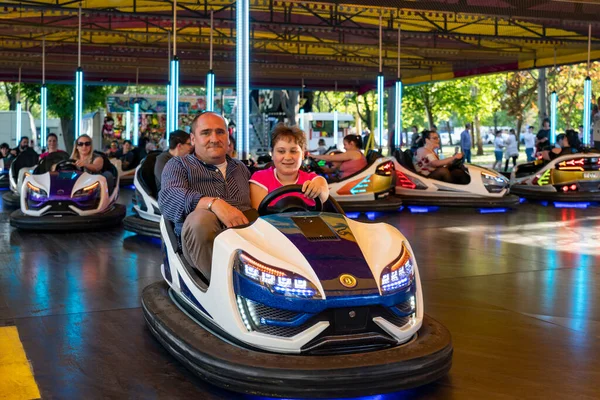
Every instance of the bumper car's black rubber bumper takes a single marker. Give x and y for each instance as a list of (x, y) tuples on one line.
[(508, 201), (112, 217), (425, 359), (555, 196), (389, 203), (137, 224), (11, 199), (4, 183)]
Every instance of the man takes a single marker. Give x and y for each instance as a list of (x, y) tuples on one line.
[(465, 143), (415, 136), (206, 191), (179, 145), (543, 136), (23, 145), (529, 141)]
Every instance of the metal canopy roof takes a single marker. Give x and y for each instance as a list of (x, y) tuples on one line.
[(322, 42)]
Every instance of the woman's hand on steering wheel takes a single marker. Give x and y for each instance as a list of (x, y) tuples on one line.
[(458, 160), (67, 165)]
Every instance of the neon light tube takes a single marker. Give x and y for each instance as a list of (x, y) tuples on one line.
[(210, 91), (553, 101), (136, 123), (302, 118), (78, 101), (169, 113), (18, 123), (44, 116), (398, 116), (242, 20), (128, 125), (587, 103), (174, 96), (380, 89), (335, 128)]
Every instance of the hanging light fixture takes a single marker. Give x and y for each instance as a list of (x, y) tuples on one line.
[(398, 93), (210, 77), (78, 84), (136, 110), (301, 109), (335, 122), (380, 87), (553, 109), (43, 100), (242, 10), (587, 95), (174, 79), (18, 127)]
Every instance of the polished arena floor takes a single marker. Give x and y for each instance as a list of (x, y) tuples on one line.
[(518, 291)]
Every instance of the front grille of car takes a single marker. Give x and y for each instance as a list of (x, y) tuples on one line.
[(350, 329)]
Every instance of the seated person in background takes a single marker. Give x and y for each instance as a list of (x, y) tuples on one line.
[(288, 145), (231, 151), (179, 145), (321, 149), (568, 144), (52, 146), (126, 156), (205, 192), (5, 151), (23, 144), (427, 162), (113, 150), (351, 161)]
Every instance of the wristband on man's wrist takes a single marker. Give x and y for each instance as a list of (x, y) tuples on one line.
[(209, 207)]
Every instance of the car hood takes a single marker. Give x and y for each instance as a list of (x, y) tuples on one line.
[(61, 183)]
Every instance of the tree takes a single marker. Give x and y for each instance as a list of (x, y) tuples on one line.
[(521, 88), (61, 104)]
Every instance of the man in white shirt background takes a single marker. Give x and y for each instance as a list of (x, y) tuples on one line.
[(529, 140)]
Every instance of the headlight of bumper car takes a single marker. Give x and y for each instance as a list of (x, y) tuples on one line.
[(35, 192), (278, 282), (494, 183), (88, 191), (399, 274)]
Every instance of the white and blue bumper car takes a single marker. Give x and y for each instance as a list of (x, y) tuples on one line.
[(483, 188), (20, 168), (301, 303), (58, 196), (146, 218)]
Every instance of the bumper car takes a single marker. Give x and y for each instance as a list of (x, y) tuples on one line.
[(366, 190), (568, 178), (301, 303), (485, 189), (146, 220), (20, 168), (58, 196), (125, 177), (4, 178)]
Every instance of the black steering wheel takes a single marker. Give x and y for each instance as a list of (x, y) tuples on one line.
[(287, 204), (67, 165), (458, 163), (311, 165)]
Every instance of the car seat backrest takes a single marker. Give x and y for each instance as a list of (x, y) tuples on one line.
[(27, 158), (406, 160), (372, 156), (51, 159), (145, 173)]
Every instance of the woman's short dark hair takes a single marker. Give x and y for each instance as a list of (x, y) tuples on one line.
[(51, 135), (573, 138), (289, 133), (356, 139)]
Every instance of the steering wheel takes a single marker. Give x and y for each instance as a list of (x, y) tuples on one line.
[(458, 163), (311, 165), (287, 204), (67, 165)]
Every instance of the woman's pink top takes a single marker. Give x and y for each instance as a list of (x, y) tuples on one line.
[(267, 179), (44, 155), (423, 162), (352, 166)]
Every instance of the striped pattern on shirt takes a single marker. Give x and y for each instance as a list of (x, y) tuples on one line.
[(185, 180)]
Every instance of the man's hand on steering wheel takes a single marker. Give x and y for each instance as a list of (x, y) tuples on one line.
[(228, 214)]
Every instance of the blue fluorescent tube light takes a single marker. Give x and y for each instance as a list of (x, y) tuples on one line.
[(210, 91), (380, 83), (44, 116), (398, 116), (553, 110), (587, 103), (136, 123), (78, 101)]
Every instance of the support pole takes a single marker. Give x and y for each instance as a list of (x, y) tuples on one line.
[(43, 100), (136, 111), (78, 84), (398, 96), (210, 76), (380, 87), (174, 81), (587, 95), (18, 127)]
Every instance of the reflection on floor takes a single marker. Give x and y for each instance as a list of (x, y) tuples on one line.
[(518, 292)]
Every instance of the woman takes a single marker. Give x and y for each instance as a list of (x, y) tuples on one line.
[(52, 141), (349, 162), (569, 144), (498, 150), (84, 155), (512, 150), (126, 156), (427, 162), (288, 145)]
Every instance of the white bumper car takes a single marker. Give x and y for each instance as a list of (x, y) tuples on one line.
[(20, 168)]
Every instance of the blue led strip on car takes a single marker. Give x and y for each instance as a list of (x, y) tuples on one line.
[(254, 291)]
